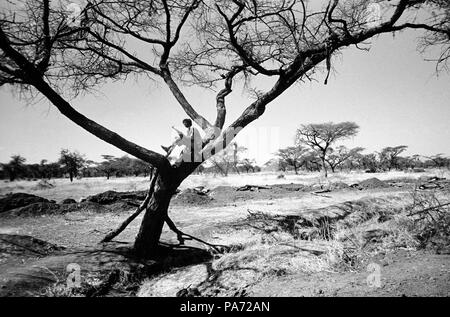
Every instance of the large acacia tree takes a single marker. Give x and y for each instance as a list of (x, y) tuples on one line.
[(389, 156), (212, 44), (293, 156), (321, 136)]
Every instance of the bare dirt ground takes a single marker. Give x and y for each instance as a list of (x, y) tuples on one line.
[(273, 251)]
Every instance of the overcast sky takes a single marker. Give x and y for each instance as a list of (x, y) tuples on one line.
[(391, 92)]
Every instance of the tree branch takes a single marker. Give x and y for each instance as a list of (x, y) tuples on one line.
[(190, 111), (247, 58), (43, 64), (220, 98), (33, 77), (141, 208), (139, 62)]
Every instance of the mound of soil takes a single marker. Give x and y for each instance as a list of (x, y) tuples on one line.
[(50, 208), (18, 200), (251, 188), (83, 206), (229, 194), (192, 197), (222, 190), (339, 185), (14, 244), (370, 184), (110, 197), (35, 209)]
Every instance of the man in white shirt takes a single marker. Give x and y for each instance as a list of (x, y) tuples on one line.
[(192, 142)]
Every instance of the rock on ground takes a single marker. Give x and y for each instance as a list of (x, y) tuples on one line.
[(18, 200)]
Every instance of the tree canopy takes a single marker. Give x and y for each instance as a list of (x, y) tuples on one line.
[(321, 136), (210, 43), (293, 156), (71, 162), (48, 48)]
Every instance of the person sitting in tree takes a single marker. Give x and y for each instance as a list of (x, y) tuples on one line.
[(192, 142)]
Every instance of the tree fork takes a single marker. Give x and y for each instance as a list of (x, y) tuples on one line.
[(137, 212), (146, 244)]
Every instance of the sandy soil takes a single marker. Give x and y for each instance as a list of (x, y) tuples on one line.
[(403, 272)]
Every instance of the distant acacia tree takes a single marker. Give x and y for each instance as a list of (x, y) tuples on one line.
[(405, 163), (340, 155), (281, 165), (236, 157), (320, 137), (227, 159), (369, 162), (140, 167), (90, 169), (312, 161), (417, 161), (123, 166), (439, 160), (71, 162), (389, 156), (43, 169), (210, 44), (108, 166), (293, 156), (15, 168), (248, 165)]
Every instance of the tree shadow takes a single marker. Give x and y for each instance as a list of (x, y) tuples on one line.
[(102, 269)]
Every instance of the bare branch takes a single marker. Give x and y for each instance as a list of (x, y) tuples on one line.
[(34, 77), (220, 98)]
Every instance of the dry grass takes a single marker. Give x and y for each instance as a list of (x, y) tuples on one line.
[(256, 255), (81, 188), (266, 246)]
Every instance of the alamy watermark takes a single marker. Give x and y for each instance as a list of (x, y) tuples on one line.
[(258, 141), (74, 277), (374, 278)]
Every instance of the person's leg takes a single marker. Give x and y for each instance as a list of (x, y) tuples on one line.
[(170, 148)]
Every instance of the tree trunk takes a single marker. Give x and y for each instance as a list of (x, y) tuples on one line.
[(324, 166), (146, 244), (71, 176)]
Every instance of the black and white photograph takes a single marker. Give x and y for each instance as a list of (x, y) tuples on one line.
[(221, 154)]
